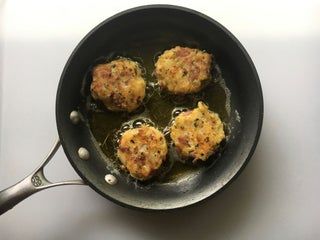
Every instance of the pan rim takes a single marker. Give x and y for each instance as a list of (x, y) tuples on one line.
[(245, 54)]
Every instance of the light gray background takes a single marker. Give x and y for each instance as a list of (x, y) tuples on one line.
[(276, 197)]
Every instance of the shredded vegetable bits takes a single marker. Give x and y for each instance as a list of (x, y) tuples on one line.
[(142, 151), (197, 133), (119, 85), (183, 70)]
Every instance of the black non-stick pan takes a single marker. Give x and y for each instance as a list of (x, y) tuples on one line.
[(143, 33)]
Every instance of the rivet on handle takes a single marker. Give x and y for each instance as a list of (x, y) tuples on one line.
[(75, 117), (83, 153), (110, 179)]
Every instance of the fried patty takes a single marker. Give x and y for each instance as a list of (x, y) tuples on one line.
[(183, 70), (142, 151), (197, 133), (119, 85)]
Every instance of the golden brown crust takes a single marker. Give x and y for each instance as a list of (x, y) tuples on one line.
[(183, 70), (119, 85), (197, 133), (142, 151)]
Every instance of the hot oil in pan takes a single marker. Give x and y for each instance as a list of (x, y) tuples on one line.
[(106, 126)]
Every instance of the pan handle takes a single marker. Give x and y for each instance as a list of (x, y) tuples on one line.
[(33, 183)]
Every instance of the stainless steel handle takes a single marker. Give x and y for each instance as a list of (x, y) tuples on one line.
[(33, 183)]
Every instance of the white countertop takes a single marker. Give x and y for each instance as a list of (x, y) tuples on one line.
[(276, 197)]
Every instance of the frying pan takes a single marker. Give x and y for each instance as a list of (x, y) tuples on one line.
[(141, 28)]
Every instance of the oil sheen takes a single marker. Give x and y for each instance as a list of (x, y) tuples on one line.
[(158, 109)]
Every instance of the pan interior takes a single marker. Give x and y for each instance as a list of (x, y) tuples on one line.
[(158, 109), (142, 34)]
